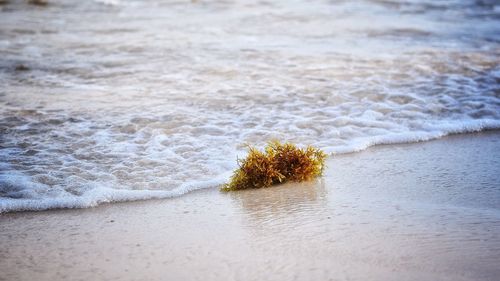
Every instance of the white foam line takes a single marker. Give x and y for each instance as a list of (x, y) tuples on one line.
[(101, 195), (434, 132)]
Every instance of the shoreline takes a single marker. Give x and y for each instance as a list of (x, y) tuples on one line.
[(104, 195), (419, 211)]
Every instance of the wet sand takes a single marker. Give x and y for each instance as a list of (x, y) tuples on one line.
[(425, 211)]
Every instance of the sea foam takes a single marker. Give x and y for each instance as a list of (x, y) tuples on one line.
[(154, 99), (92, 197)]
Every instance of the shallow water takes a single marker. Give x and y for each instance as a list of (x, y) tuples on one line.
[(109, 100)]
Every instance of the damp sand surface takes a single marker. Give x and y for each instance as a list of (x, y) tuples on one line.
[(425, 211)]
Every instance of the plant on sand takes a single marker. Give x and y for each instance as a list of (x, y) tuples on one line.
[(279, 163)]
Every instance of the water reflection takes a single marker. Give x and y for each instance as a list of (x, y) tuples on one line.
[(271, 211)]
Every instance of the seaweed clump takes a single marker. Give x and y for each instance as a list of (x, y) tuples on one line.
[(279, 163), (38, 2)]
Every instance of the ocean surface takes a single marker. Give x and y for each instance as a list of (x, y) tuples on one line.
[(105, 101)]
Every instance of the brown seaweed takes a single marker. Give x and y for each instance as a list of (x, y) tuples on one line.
[(278, 163)]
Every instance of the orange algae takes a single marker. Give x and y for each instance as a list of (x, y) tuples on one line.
[(279, 163)]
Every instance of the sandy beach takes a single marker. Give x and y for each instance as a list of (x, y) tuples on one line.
[(425, 211)]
